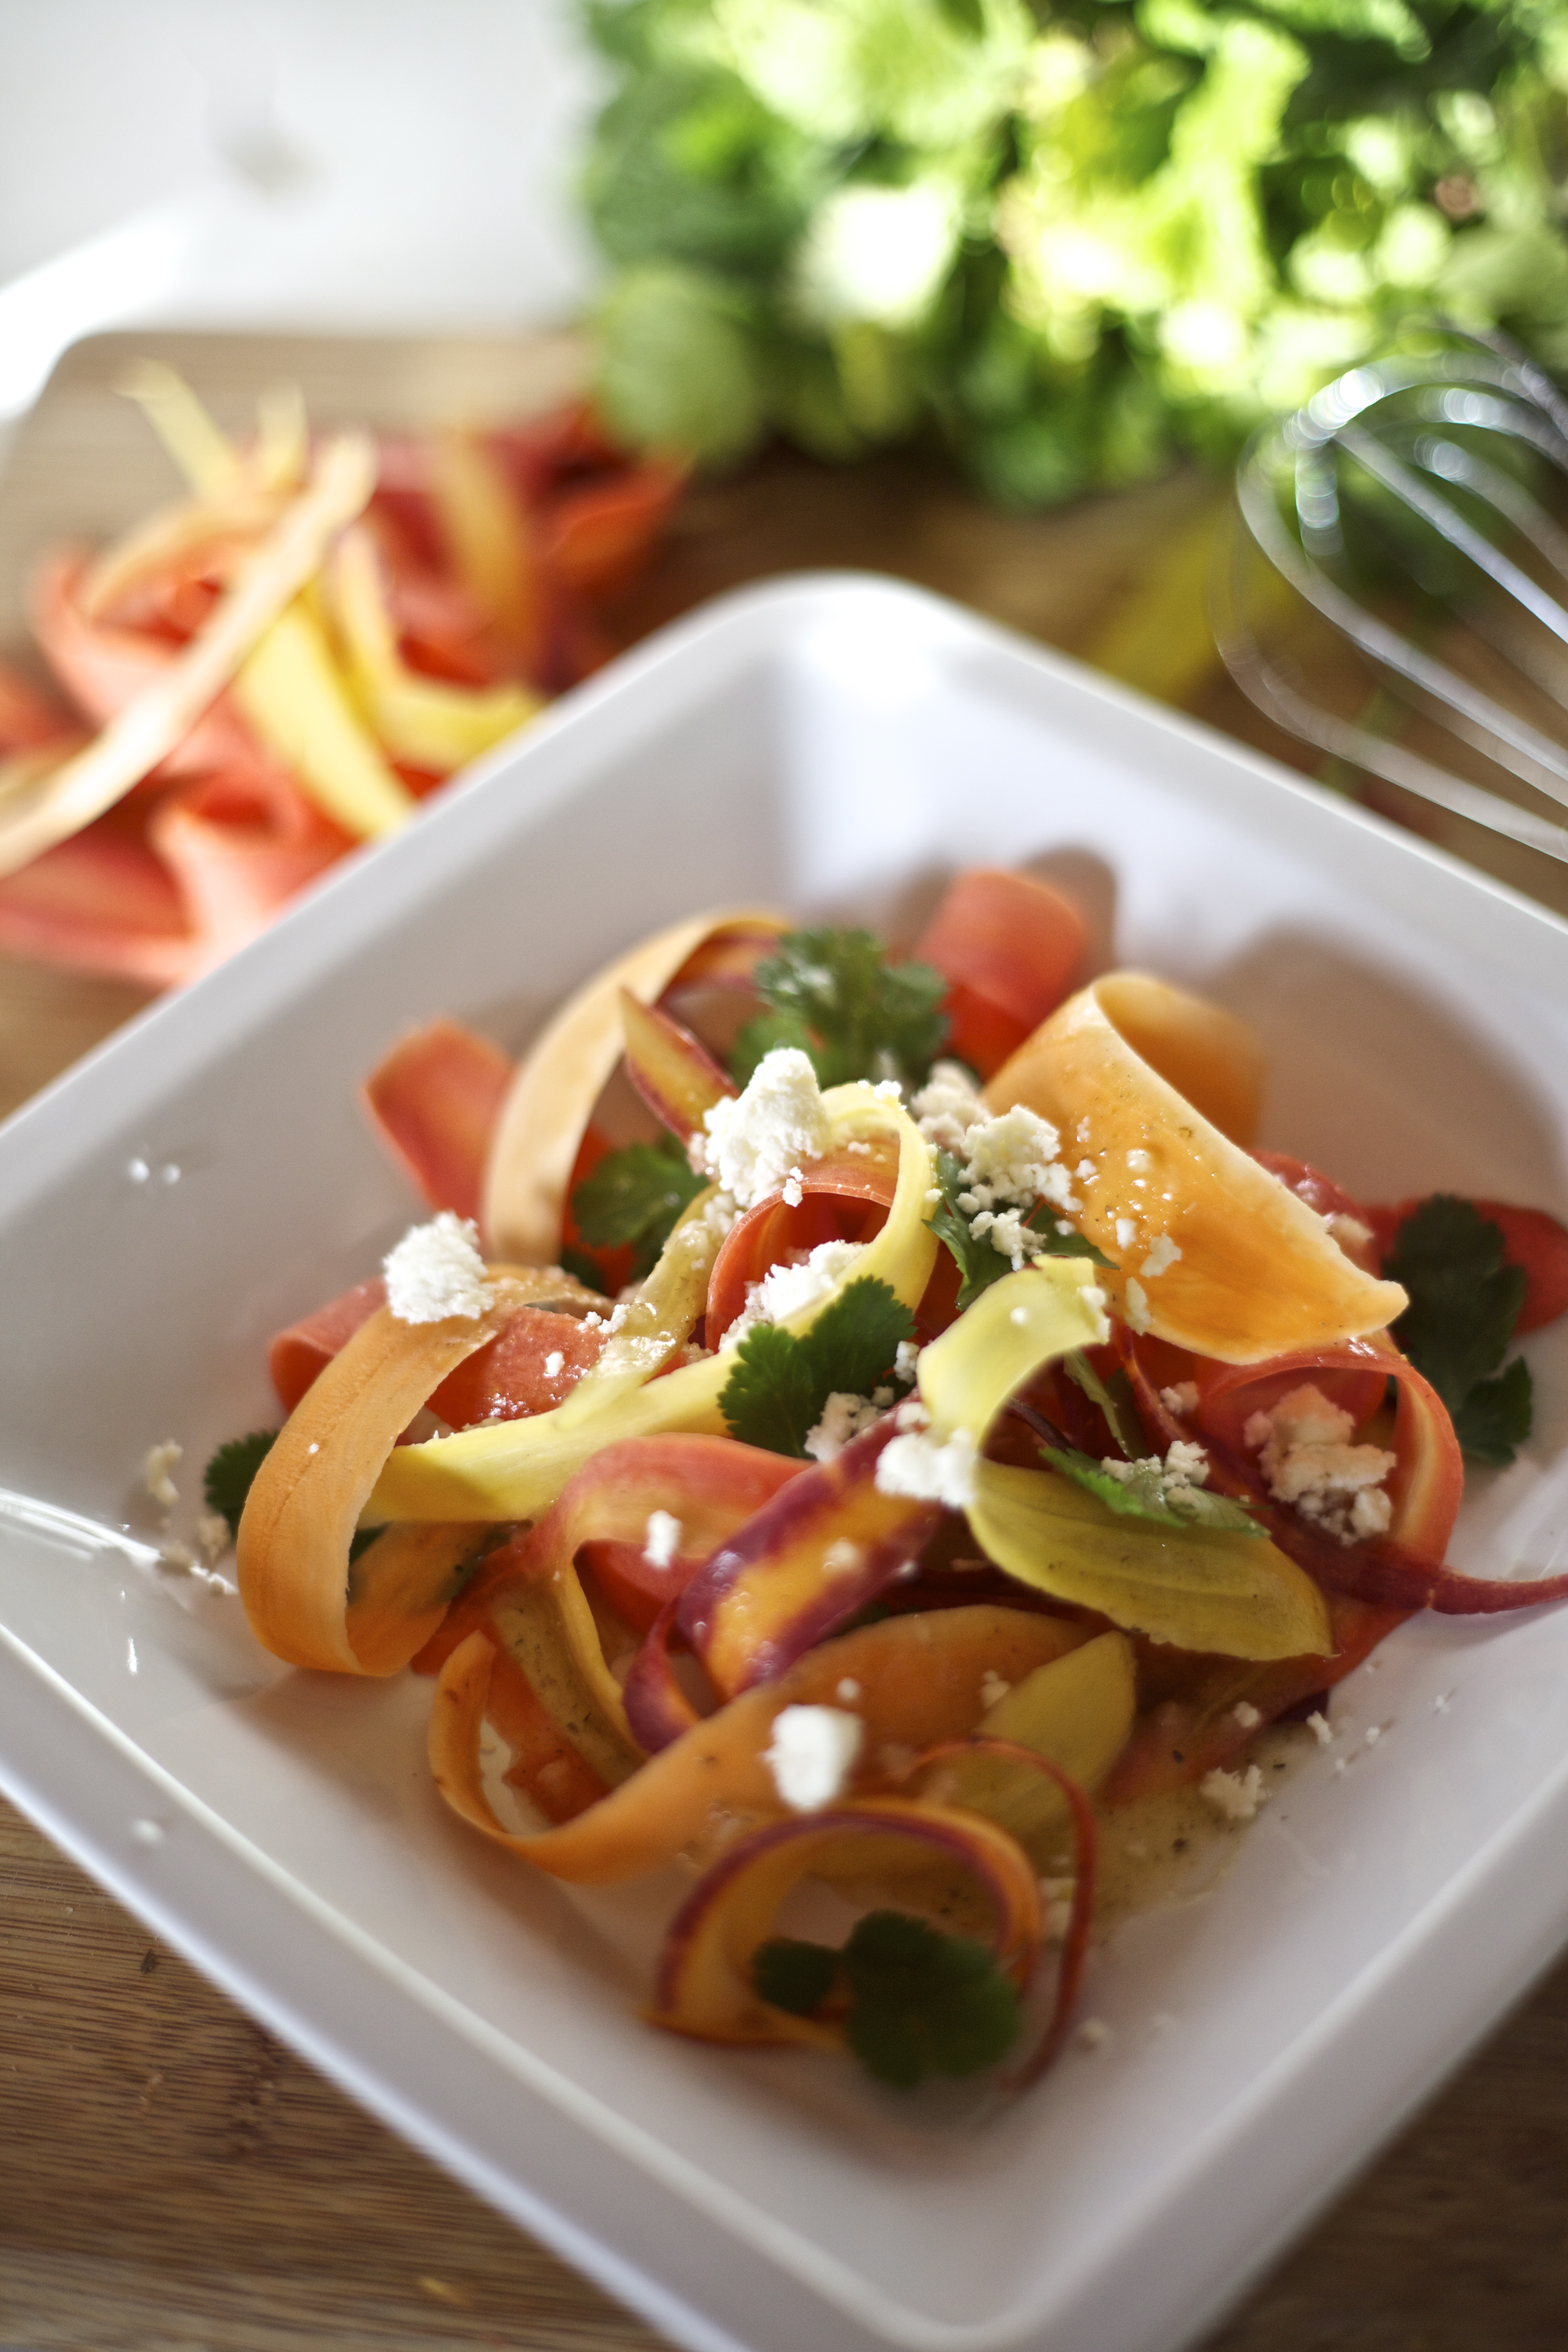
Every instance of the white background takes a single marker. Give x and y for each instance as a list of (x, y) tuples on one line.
[(326, 163)]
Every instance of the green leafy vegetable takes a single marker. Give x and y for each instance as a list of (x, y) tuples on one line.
[(230, 1475), (1150, 1492), (795, 1976), (919, 2002), (781, 1382), (1463, 1304), (1114, 1397), (634, 1197), (979, 1261), (1494, 1420), (856, 222), (834, 994)]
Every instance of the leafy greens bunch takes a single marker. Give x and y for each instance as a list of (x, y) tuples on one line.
[(1070, 239)]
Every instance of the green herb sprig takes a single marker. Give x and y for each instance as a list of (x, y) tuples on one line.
[(1463, 1304), (979, 1262), (634, 1198), (835, 996), (781, 1381), (230, 1476), (1147, 1493), (919, 2002)]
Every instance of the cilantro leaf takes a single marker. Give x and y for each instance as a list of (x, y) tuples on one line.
[(634, 1197), (854, 1341), (858, 1016), (1494, 1420), (230, 1475), (1463, 1304), (1146, 1495), (1114, 1399), (781, 1382), (770, 1399), (760, 1036), (922, 2002), (793, 1976), (979, 1262)]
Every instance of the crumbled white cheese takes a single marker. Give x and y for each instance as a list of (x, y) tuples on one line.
[(1172, 1482), (756, 1141), (437, 1271), (1056, 1913), (947, 1107), (905, 1359), (554, 1364), (1086, 1171), (160, 1461), (1126, 1234), (843, 1416), (812, 1752), (1137, 1305), (661, 1538), (1318, 1724), (1237, 1795), (1246, 1714), (793, 1189), (213, 1537), (993, 1689), (1182, 1399), (793, 1285), (175, 1554), (1304, 1452), (911, 1414), (1162, 1255), (1009, 1165), (1350, 1232), (1139, 1162), (916, 1465)]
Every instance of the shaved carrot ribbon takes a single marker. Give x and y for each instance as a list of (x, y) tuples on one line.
[(1402, 1569), (1009, 946), (920, 1681), (1157, 1092), (1196, 1586), (545, 1115), (704, 1985), (150, 727), (434, 1100), (935, 1767), (515, 1469), (305, 1505)]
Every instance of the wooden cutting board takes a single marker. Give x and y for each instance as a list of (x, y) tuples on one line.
[(172, 2179)]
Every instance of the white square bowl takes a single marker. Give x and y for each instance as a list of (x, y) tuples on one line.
[(834, 745)]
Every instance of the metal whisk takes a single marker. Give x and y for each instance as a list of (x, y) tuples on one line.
[(1406, 510)]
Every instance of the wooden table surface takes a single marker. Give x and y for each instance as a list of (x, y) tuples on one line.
[(172, 2179)]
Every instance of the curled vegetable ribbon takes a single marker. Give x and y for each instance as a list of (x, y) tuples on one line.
[(545, 1113), (247, 617), (919, 1682), (306, 1602), (1200, 1588), (512, 1470), (1157, 1092), (704, 1986)]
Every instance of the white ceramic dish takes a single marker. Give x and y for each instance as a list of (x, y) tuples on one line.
[(834, 744)]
